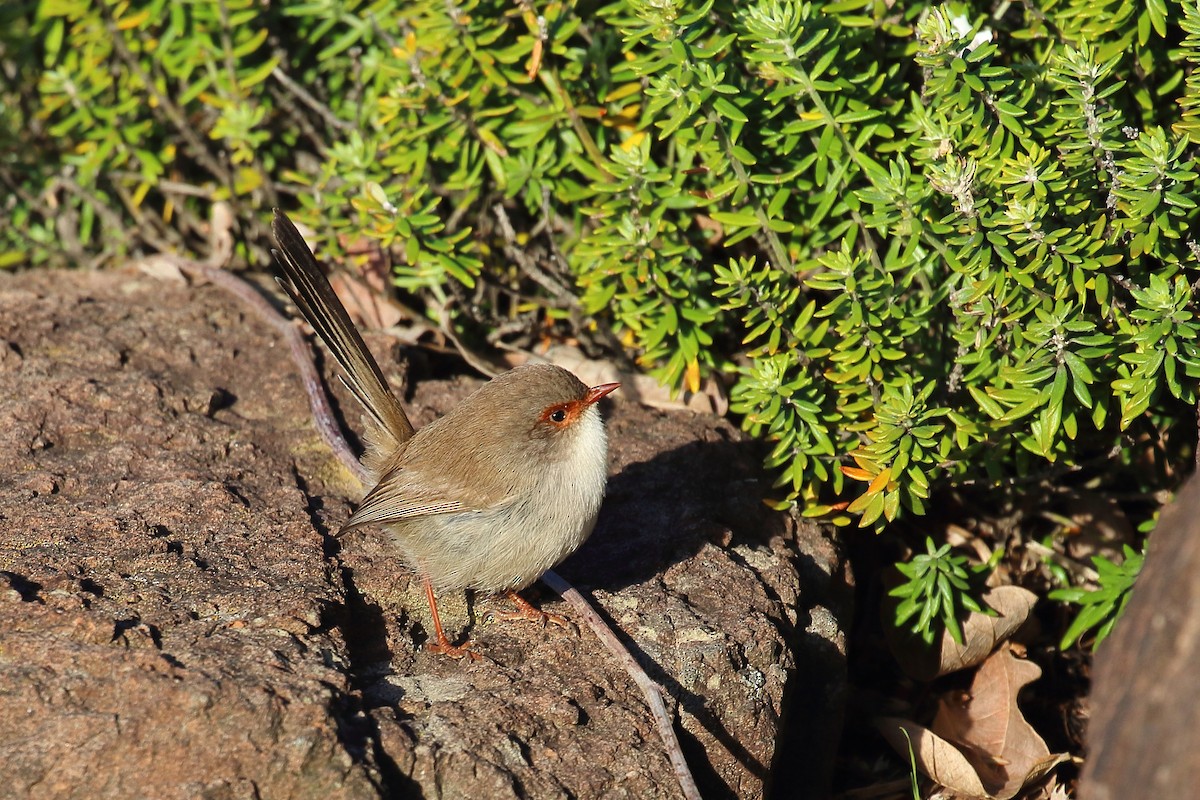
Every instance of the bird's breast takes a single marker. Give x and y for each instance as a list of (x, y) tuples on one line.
[(512, 544)]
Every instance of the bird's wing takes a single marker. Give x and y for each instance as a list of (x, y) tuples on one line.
[(406, 491)]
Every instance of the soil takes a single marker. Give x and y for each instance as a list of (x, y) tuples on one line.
[(176, 619)]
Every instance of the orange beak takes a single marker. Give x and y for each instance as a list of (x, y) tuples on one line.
[(596, 392)]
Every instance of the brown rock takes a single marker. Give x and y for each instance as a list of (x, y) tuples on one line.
[(1144, 734), (175, 620)]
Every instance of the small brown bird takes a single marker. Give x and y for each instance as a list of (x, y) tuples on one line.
[(491, 495)]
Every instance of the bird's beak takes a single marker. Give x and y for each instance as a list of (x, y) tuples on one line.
[(596, 392)]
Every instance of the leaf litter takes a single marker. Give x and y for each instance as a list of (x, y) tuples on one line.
[(980, 745)]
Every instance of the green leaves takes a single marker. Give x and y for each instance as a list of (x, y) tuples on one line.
[(904, 446), (1188, 125), (1100, 608), (1162, 333), (926, 245), (940, 587), (133, 94)]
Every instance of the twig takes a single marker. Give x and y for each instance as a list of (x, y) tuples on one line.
[(1078, 570), (650, 690), (164, 186), (305, 97), (473, 359), (527, 264), (549, 222), (150, 226), (328, 427)]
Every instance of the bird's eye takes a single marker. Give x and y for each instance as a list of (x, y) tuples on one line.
[(558, 415)]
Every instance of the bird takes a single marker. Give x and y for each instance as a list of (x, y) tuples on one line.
[(488, 497)]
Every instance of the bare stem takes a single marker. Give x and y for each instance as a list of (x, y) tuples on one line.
[(650, 690)]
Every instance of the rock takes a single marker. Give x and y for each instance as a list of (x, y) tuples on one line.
[(1144, 734), (176, 620)]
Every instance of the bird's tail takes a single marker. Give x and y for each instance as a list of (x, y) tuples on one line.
[(309, 289)]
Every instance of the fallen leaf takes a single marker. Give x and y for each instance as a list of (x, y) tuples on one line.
[(1100, 526), (366, 302), (161, 267), (981, 634), (220, 233), (959, 536), (988, 726), (938, 759), (980, 745)]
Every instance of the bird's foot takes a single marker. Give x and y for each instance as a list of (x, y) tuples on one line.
[(443, 647), (440, 644), (527, 612)]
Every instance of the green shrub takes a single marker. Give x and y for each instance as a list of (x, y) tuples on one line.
[(939, 588), (1100, 608), (931, 244)]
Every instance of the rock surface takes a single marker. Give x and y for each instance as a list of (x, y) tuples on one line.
[(1144, 733), (176, 620)]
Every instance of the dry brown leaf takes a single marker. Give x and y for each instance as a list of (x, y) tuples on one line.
[(958, 536), (938, 759), (1040, 768), (365, 302), (1100, 526), (1059, 792), (981, 634), (993, 733), (980, 746), (163, 268), (220, 233)]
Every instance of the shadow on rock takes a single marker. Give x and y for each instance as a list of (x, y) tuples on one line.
[(663, 510)]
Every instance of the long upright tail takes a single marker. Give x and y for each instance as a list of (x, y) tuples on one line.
[(309, 289)]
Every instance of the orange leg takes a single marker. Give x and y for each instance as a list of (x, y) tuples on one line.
[(526, 611), (442, 644)]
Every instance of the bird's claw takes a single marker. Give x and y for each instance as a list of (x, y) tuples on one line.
[(453, 650), (527, 612)]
